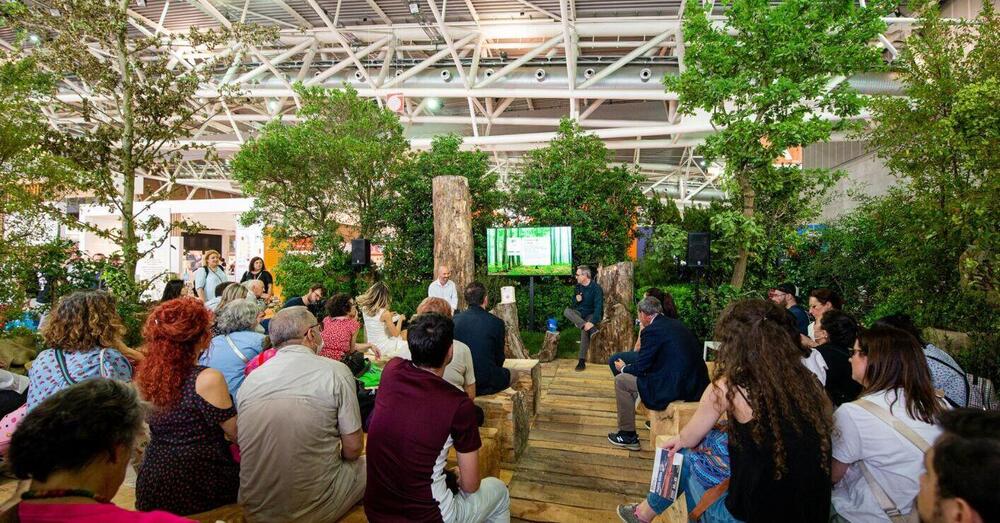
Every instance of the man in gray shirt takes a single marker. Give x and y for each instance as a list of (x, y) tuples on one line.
[(299, 429)]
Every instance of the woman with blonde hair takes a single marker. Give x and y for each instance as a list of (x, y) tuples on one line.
[(209, 276), (383, 328), (232, 293)]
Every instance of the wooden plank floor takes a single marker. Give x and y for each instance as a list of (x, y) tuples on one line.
[(569, 471)]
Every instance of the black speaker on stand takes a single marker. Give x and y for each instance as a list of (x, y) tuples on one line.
[(361, 257), (698, 259)]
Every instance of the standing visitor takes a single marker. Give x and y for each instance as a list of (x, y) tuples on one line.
[(785, 295), (383, 328), (484, 333), (587, 310), (300, 430), (444, 288), (880, 439), (75, 448), (312, 300), (779, 427), (209, 276), (188, 466), (258, 271), (408, 441)]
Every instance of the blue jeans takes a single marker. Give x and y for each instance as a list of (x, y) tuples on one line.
[(693, 492), (628, 357)]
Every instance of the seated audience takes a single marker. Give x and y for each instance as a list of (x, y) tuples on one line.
[(231, 293), (485, 335), (13, 391), (236, 343), (258, 272), (946, 373), (312, 300), (299, 429), (779, 427), (208, 277), (188, 466), (841, 331), (408, 441), (668, 368), (811, 358), (880, 439), (75, 447), (212, 304), (340, 328), (669, 310), (820, 301), (460, 371), (255, 290), (961, 483), (785, 295), (383, 328), (173, 289)]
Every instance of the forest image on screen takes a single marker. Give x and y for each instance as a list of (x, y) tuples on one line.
[(530, 251)]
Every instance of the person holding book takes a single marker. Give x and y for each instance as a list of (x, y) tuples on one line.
[(778, 446)]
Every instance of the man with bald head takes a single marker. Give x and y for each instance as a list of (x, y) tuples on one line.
[(443, 287), (299, 429)]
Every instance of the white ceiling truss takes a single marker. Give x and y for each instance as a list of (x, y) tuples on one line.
[(501, 73)]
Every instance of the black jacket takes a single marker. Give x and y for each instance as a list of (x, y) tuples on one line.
[(484, 333), (669, 367)]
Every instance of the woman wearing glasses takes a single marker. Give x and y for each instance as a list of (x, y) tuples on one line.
[(880, 439)]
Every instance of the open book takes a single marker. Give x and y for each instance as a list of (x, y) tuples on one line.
[(666, 473)]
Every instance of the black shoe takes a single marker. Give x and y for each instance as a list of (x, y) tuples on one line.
[(625, 441), (580, 366)]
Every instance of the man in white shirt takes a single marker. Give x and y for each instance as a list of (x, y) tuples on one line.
[(444, 288)]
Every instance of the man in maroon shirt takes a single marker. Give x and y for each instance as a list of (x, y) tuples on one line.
[(418, 416)]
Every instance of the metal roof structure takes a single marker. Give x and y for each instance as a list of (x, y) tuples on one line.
[(500, 73)]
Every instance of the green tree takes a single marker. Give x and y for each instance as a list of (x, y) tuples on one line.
[(943, 141), (134, 107), (408, 242), (330, 168), (572, 182), (766, 75)]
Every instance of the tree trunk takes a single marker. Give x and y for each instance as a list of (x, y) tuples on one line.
[(453, 230), (616, 328), (513, 347), (740, 269), (129, 241), (550, 347)]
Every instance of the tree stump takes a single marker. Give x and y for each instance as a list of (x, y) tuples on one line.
[(530, 382), (550, 347), (616, 332), (506, 411), (453, 230), (513, 346)]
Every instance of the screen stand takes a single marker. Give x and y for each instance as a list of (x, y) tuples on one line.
[(531, 303)]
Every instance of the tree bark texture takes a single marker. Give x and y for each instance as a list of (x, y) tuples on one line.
[(550, 347), (513, 346), (453, 230), (749, 200), (616, 328)]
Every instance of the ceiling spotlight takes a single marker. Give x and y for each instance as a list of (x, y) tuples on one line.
[(433, 104), (140, 3), (273, 106), (414, 8)]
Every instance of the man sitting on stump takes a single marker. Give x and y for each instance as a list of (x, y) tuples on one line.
[(668, 368), (587, 310)]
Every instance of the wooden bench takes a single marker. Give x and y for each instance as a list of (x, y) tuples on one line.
[(489, 453), (670, 421), (507, 412), (227, 514), (529, 383)]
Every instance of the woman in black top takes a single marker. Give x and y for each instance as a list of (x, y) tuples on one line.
[(780, 423), (259, 272), (840, 331)]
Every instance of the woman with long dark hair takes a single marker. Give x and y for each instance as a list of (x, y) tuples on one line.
[(188, 466), (258, 271), (778, 430), (880, 439)]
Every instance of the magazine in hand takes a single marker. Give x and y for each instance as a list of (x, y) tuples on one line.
[(666, 473)]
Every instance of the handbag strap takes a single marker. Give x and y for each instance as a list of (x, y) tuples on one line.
[(236, 350), (884, 501), (965, 379), (61, 361), (707, 499)]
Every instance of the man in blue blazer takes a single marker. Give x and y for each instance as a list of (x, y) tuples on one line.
[(484, 333), (668, 368)]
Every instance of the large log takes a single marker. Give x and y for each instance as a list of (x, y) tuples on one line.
[(507, 412), (530, 381), (550, 347), (513, 346), (453, 230), (616, 330)]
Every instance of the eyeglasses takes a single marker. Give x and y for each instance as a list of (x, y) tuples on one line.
[(314, 325)]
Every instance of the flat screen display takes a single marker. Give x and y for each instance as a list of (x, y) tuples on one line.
[(530, 251)]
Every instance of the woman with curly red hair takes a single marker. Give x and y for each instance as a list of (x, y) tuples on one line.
[(188, 467)]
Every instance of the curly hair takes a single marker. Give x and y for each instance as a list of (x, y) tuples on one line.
[(437, 305), (175, 332), (758, 356), (83, 321), (338, 305)]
